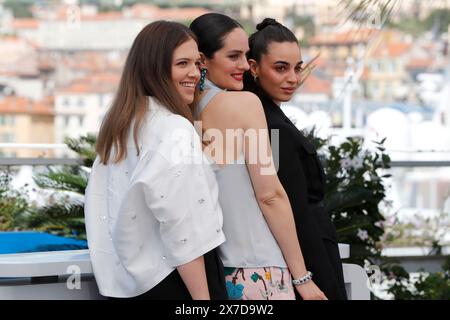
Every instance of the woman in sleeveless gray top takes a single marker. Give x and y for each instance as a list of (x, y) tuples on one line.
[(261, 254)]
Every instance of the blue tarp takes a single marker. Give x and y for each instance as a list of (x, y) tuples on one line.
[(21, 242)]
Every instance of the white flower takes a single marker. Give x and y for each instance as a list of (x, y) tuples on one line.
[(362, 234), (345, 163), (378, 224), (354, 163), (389, 204), (357, 163)]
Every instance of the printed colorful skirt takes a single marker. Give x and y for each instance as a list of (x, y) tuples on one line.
[(268, 283)]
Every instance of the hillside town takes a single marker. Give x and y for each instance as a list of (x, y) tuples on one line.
[(60, 66)]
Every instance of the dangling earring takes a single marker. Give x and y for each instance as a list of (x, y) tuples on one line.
[(201, 84), (255, 77)]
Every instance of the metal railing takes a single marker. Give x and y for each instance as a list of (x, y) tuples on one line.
[(419, 163), (17, 162), (14, 161), (39, 161)]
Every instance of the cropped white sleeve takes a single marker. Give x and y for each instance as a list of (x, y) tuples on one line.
[(190, 219), (175, 186)]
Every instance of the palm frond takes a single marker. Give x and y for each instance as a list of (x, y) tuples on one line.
[(85, 147), (62, 180), (369, 12), (64, 219), (308, 68)]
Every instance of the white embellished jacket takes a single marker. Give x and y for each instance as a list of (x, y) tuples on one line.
[(150, 213)]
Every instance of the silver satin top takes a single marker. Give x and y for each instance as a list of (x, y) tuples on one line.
[(249, 241)]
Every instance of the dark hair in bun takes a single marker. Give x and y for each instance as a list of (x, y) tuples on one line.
[(269, 30), (267, 22)]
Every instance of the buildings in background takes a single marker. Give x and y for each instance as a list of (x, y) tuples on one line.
[(80, 106), (68, 58), (420, 9), (26, 121), (73, 55)]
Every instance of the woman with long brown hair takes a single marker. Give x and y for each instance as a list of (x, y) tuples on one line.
[(152, 214)]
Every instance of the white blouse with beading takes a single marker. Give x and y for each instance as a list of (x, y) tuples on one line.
[(154, 211)]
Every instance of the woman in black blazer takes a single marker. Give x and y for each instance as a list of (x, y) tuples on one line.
[(275, 74)]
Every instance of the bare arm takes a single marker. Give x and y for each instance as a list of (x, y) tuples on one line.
[(271, 196), (194, 277)]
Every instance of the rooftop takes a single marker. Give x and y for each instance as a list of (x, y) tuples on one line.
[(392, 50), (21, 105), (105, 82), (344, 38), (25, 23), (313, 84)]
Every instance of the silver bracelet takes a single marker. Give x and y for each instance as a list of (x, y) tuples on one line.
[(303, 280)]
